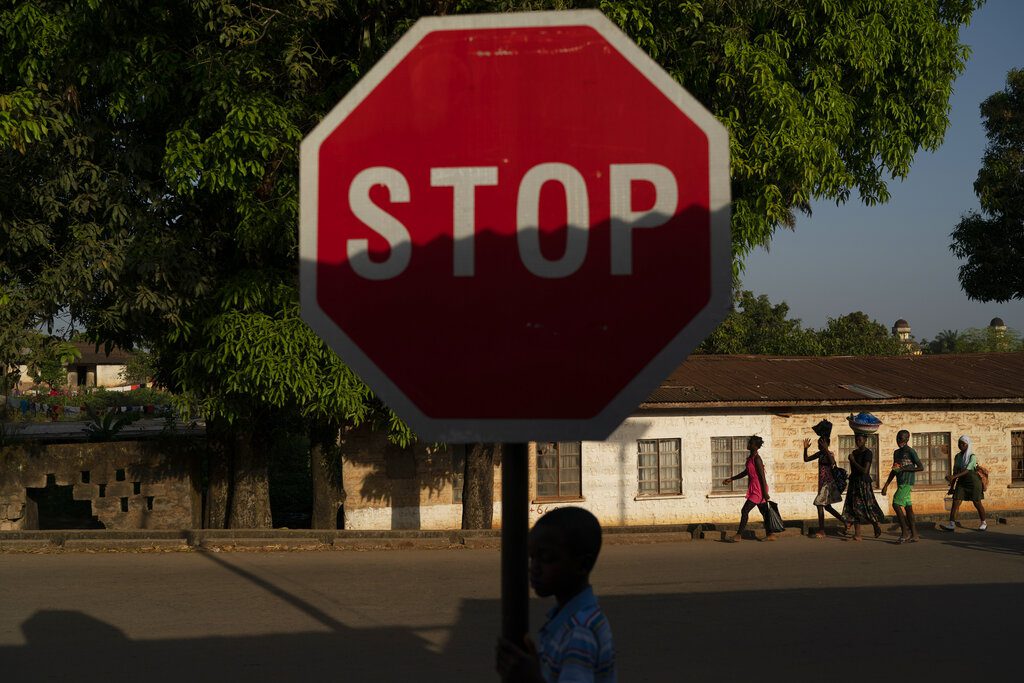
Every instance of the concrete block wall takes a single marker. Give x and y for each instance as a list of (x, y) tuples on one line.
[(610, 471), (388, 487), (989, 427), (152, 479), (610, 487)]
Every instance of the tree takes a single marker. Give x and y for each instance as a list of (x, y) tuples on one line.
[(946, 341), (47, 359), (139, 369), (988, 340), (992, 241), (757, 326), (157, 143), (856, 334)]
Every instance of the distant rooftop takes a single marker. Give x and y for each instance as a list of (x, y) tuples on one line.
[(91, 355), (712, 381)]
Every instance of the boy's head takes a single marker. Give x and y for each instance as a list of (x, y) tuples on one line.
[(564, 545), (902, 437), (754, 443)]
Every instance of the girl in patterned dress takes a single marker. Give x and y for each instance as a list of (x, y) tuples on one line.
[(828, 490)]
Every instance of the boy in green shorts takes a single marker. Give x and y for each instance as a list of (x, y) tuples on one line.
[(904, 464)]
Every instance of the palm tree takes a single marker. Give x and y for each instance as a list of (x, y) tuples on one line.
[(946, 341)]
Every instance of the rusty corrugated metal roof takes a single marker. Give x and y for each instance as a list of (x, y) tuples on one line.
[(771, 380)]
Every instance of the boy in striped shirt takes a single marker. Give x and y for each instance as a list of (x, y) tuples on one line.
[(576, 642)]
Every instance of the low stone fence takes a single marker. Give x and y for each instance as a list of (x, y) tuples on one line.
[(150, 484)]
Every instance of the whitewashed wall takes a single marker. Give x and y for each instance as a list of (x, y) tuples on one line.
[(109, 375), (610, 473), (427, 517)]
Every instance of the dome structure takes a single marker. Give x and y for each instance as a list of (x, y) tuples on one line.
[(901, 324), (997, 322)]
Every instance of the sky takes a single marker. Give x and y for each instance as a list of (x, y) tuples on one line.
[(893, 260)]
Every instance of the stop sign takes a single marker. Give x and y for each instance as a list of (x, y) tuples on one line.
[(515, 226)]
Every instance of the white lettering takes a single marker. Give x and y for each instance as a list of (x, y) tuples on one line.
[(624, 219), (383, 223), (463, 182), (577, 221)]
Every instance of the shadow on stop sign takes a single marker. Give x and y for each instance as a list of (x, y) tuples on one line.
[(515, 226)]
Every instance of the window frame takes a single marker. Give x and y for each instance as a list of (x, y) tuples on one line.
[(1017, 457), (658, 492), (924, 452), (843, 459), (738, 486), (559, 496)]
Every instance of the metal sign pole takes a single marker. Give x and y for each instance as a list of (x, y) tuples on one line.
[(515, 618)]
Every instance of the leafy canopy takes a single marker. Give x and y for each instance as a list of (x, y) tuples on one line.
[(992, 241), (757, 326), (156, 141), (975, 340)]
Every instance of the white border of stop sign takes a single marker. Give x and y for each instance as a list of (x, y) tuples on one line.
[(470, 429)]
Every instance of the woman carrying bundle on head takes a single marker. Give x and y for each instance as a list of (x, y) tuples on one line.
[(829, 489), (860, 506)]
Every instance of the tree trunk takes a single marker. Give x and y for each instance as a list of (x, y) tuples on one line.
[(218, 474), (249, 507), (478, 486), (328, 487)]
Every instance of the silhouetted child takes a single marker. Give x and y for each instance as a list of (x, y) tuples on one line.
[(576, 642)]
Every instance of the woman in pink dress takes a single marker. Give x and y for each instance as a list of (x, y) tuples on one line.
[(757, 488)]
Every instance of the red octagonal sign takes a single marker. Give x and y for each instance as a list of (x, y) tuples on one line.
[(515, 226)]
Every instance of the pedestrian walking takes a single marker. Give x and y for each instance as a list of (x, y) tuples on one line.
[(828, 489), (757, 488), (965, 484), (905, 463), (860, 506)]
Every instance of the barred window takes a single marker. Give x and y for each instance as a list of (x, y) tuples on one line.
[(660, 471), (848, 444), (728, 457), (1017, 457), (559, 467), (933, 448)]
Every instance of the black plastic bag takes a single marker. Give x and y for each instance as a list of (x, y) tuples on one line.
[(772, 518)]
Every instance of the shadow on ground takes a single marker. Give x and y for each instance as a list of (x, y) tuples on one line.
[(836, 634)]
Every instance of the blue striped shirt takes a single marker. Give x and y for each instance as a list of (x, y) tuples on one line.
[(576, 643)]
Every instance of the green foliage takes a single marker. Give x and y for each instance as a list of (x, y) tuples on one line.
[(759, 327), (975, 340), (156, 148), (107, 427), (992, 242), (46, 359), (139, 369), (855, 334), (100, 400)]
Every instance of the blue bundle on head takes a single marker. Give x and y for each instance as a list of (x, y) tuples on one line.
[(864, 423)]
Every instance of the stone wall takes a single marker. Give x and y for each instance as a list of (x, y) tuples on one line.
[(988, 426), (388, 487), (610, 472), (128, 484)]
